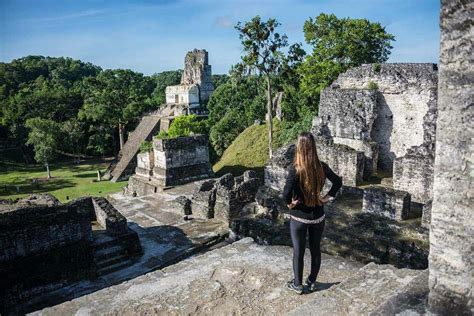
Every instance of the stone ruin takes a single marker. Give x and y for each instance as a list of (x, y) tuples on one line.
[(83, 239), (246, 278), (376, 128), (196, 82), (172, 161), (189, 97)]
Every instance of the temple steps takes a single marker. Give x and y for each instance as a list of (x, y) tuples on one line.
[(375, 289), (246, 278), (109, 255)]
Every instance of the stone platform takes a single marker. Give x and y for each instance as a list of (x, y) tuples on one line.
[(165, 236), (245, 278)]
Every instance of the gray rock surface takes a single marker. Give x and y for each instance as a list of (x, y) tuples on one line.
[(452, 216), (363, 293), (394, 204), (243, 278)]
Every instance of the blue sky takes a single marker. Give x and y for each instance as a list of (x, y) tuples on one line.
[(152, 36)]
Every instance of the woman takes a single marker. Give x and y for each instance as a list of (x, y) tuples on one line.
[(307, 210)]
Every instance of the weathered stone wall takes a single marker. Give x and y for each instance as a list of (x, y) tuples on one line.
[(37, 229), (198, 71), (347, 113), (452, 216), (386, 202), (145, 164), (43, 245), (414, 173), (183, 94), (406, 114), (225, 197), (343, 160), (181, 160), (108, 217)]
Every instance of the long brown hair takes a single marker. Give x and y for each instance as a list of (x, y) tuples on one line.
[(309, 169)]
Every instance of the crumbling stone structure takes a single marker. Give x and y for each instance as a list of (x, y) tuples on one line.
[(452, 218), (376, 122), (196, 85), (46, 245), (224, 198), (172, 161)]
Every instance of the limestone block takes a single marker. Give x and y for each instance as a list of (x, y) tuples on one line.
[(145, 164), (181, 160), (370, 149), (204, 199), (247, 190), (348, 113), (277, 172), (406, 105), (108, 217), (394, 204), (414, 174), (346, 162)]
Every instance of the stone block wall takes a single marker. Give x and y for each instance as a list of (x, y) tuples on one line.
[(452, 215), (108, 217), (181, 160), (348, 113), (407, 101), (145, 164), (414, 173), (225, 197), (43, 245), (394, 204), (343, 160), (38, 229)]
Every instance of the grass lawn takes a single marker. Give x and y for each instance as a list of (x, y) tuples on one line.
[(69, 179), (248, 151)]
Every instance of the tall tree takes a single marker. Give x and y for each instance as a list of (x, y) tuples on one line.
[(262, 53), (44, 136), (115, 97), (339, 44)]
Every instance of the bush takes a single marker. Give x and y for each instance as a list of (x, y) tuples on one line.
[(146, 146), (372, 85), (376, 67), (184, 125)]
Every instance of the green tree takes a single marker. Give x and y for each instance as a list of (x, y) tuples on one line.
[(339, 44), (115, 97), (44, 136), (262, 53), (73, 132), (238, 102), (37, 86)]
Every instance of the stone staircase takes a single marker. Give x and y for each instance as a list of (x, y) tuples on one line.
[(109, 255), (245, 278), (148, 126), (374, 290)]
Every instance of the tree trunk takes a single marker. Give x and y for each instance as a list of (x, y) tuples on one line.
[(48, 171), (121, 132), (270, 117)]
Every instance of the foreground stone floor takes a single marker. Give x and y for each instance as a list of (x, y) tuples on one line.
[(247, 279), (164, 235)]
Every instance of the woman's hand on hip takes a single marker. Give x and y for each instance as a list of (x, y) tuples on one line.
[(294, 203)]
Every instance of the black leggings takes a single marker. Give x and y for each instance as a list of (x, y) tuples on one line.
[(298, 237)]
